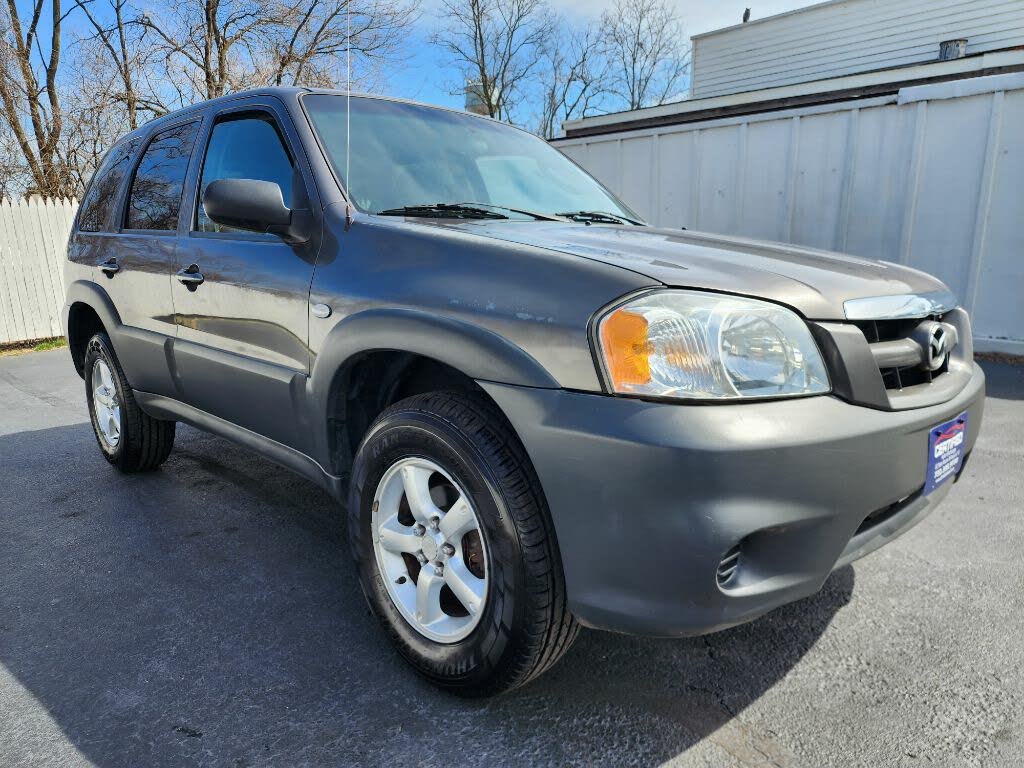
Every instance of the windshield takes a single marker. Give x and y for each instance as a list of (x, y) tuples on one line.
[(406, 155)]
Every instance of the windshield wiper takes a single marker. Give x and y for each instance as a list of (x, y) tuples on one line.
[(443, 211), (590, 217), (521, 211)]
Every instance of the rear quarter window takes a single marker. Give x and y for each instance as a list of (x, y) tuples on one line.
[(101, 198)]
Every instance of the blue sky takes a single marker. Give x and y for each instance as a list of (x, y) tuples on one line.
[(427, 76)]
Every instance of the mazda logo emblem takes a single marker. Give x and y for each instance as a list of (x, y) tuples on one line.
[(938, 347)]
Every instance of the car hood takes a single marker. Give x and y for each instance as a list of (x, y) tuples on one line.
[(814, 282)]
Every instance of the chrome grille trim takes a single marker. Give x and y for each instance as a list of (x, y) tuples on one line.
[(900, 307)]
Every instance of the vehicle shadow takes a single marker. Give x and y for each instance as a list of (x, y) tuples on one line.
[(208, 614)]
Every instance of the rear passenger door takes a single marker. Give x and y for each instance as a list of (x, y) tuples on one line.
[(135, 255), (242, 351)]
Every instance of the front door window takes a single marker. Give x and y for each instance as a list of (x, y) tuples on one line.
[(244, 148)]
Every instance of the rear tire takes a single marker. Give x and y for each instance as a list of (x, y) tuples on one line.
[(129, 439), (523, 624)]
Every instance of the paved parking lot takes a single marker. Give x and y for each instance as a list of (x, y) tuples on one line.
[(207, 614)]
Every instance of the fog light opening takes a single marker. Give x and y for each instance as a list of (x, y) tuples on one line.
[(728, 567)]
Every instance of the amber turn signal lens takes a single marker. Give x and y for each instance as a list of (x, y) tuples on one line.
[(626, 349)]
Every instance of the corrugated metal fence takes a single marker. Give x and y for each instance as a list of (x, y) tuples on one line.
[(33, 236), (932, 178)]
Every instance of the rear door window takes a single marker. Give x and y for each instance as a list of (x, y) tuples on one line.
[(155, 197), (244, 147), (102, 195)]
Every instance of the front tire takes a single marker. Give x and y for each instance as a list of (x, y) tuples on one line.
[(454, 545), (130, 439)]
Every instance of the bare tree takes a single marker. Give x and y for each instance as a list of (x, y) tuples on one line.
[(12, 164), (575, 77), (309, 43), (94, 110), (647, 52), (121, 40), (63, 105), (215, 47), (30, 56), (210, 43), (497, 45), (60, 109)]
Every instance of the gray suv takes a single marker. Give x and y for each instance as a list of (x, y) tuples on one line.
[(539, 412)]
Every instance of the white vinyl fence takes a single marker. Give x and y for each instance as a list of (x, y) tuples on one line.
[(33, 237), (932, 178)]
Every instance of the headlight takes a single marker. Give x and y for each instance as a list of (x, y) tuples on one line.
[(694, 345)]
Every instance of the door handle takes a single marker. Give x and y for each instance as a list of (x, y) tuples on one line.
[(109, 267), (191, 277)]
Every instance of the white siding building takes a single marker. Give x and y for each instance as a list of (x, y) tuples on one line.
[(920, 165), (843, 37)]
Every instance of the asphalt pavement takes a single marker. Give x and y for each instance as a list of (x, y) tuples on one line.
[(207, 614)]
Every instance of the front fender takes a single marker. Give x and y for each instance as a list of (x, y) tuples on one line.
[(476, 352)]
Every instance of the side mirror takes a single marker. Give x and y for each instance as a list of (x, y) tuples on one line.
[(255, 206)]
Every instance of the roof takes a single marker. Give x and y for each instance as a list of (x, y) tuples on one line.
[(846, 88), (763, 19), (288, 91)]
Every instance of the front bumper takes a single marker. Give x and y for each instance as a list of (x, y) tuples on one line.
[(647, 497)]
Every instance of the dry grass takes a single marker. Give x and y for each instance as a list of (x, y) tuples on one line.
[(33, 345), (1000, 357)]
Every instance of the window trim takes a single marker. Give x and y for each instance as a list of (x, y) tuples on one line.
[(239, 111), (192, 118)]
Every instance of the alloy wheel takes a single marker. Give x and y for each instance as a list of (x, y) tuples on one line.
[(106, 404), (430, 550)]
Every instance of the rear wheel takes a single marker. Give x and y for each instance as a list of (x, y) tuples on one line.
[(454, 544), (129, 439)]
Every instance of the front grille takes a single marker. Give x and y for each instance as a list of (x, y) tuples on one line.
[(898, 364), (899, 352), (886, 330), (898, 378)]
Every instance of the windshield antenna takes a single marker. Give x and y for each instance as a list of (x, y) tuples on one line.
[(348, 114)]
